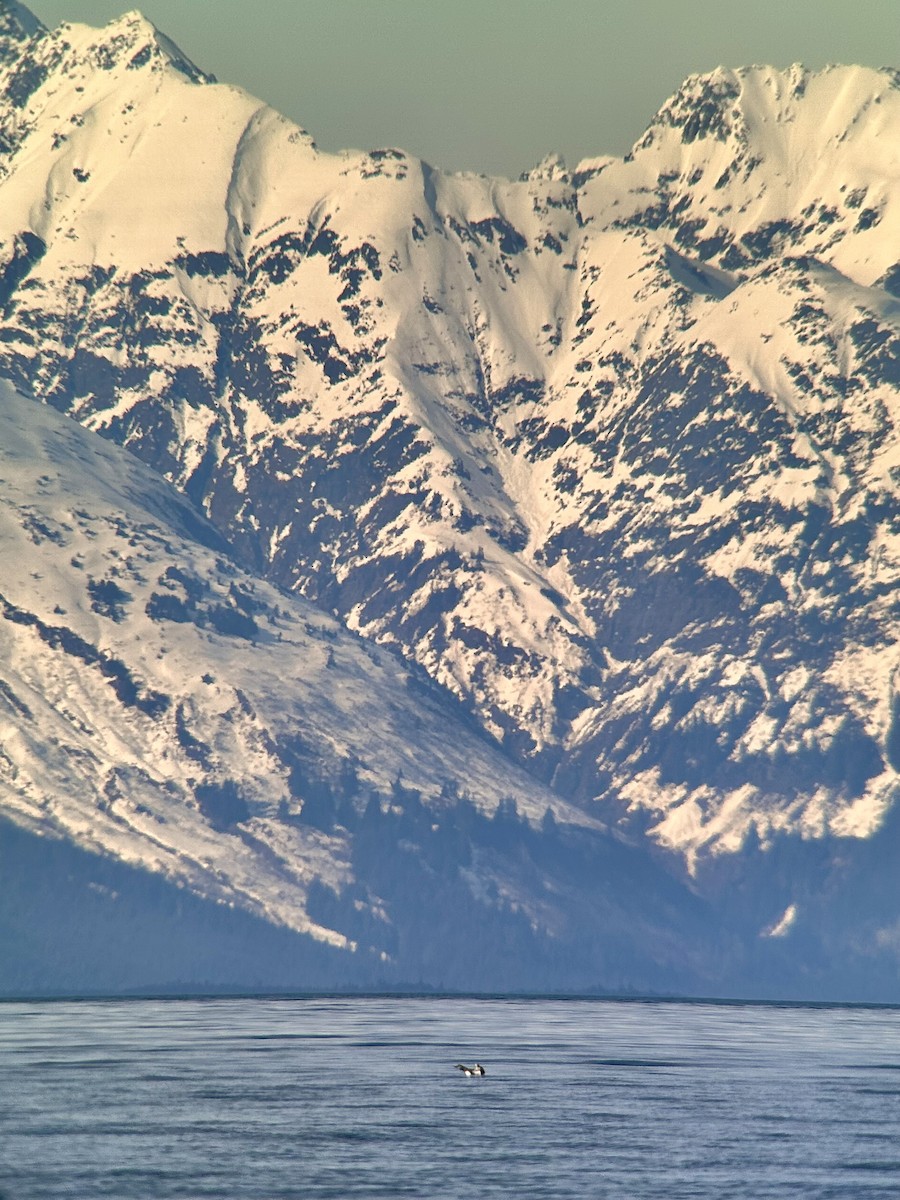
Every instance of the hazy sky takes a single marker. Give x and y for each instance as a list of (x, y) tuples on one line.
[(494, 85)]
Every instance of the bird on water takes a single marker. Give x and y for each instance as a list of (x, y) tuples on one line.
[(478, 1069)]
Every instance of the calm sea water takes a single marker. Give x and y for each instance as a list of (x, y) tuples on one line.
[(313, 1098)]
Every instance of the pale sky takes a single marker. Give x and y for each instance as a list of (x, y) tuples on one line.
[(494, 85)]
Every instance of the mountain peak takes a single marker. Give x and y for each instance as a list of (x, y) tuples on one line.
[(17, 21), (136, 27), (705, 106), (134, 21), (551, 167), (134, 41), (18, 26), (730, 105)]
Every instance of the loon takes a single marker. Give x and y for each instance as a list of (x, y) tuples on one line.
[(478, 1069)]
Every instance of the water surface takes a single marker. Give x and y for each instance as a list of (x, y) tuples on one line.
[(265, 1099)]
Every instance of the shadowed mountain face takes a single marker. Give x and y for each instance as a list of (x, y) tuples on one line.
[(610, 455)]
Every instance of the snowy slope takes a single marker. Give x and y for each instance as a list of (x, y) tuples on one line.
[(162, 708), (609, 453), (142, 670)]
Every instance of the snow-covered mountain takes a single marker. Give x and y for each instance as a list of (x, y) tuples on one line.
[(610, 454), (163, 709)]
